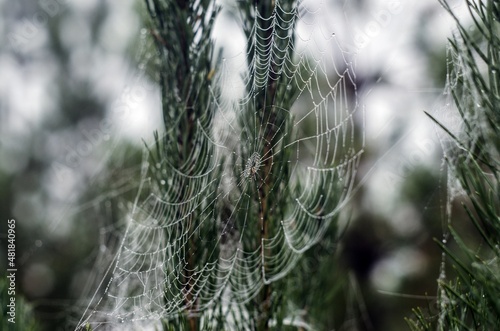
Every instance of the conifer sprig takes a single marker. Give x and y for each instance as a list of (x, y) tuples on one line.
[(471, 301)]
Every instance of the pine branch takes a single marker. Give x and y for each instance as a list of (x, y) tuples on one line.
[(183, 41), (269, 21), (471, 301)]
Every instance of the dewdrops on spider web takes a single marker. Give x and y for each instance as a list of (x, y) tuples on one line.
[(300, 159)]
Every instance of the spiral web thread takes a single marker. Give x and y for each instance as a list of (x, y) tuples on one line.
[(306, 166)]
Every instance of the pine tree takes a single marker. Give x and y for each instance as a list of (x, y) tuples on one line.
[(469, 298), (228, 200)]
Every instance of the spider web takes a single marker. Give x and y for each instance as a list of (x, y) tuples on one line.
[(265, 177)]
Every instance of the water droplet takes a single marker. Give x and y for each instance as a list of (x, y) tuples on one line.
[(102, 248), (144, 31), (38, 243), (162, 182), (444, 241)]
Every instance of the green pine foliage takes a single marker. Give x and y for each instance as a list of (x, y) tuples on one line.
[(470, 299), (187, 74), (182, 32), (237, 189)]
